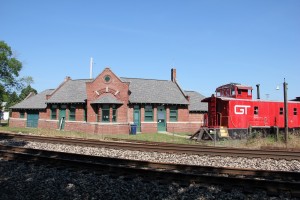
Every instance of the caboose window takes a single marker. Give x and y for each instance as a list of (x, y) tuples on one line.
[(255, 110), (295, 111), (281, 111)]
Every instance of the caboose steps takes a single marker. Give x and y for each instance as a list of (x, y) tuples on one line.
[(210, 133)]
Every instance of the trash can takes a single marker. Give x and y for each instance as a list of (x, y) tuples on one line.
[(133, 129)]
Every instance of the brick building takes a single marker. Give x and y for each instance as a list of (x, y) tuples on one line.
[(110, 104)]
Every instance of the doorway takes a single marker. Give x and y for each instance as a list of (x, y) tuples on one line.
[(161, 119)]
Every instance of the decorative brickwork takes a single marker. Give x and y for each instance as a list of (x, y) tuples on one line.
[(109, 105)]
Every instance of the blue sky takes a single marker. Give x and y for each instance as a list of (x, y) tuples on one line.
[(210, 42)]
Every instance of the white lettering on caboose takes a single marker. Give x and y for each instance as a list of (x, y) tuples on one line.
[(241, 109)]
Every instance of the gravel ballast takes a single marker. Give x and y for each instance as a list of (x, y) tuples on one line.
[(216, 161), (20, 180), (24, 181)]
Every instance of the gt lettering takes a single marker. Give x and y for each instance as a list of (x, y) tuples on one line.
[(241, 109)]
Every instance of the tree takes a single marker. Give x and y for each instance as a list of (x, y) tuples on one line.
[(9, 68), (9, 78), (26, 91), (13, 99)]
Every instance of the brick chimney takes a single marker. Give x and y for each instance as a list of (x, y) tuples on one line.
[(67, 78), (173, 75)]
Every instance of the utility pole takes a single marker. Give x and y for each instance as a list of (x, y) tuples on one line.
[(286, 128), (91, 68)]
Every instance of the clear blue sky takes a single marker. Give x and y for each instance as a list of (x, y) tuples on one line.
[(210, 43)]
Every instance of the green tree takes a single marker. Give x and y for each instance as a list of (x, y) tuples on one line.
[(26, 91), (10, 82), (13, 99), (9, 68)]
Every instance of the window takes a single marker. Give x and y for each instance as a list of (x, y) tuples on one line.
[(114, 117), (249, 92), (107, 78), (105, 113), (85, 114), (72, 111), (295, 111), (281, 111), (173, 114), (53, 112), (255, 110), (22, 114), (148, 113)]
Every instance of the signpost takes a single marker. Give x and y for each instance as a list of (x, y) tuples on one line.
[(286, 129)]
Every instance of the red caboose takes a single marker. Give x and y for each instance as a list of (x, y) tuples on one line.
[(233, 107)]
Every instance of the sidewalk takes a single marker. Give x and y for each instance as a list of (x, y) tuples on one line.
[(174, 134)]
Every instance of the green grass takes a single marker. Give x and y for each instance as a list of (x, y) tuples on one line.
[(154, 137), (255, 142)]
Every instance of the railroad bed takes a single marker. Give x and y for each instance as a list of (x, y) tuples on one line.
[(286, 154), (131, 183), (20, 180), (236, 179), (189, 155)]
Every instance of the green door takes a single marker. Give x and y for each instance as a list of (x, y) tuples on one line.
[(32, 119), (161, 118), (137, 118), (62, 117)]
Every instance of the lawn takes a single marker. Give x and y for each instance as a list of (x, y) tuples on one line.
[(255, 143)]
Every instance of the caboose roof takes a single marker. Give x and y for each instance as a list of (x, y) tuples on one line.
[(208, 99), (238, 85), (244, 87)]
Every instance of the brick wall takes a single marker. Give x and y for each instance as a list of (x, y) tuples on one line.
[(48, 124), (80, 126), (196, 117), (100, 88), (183, 114), (16, 114), (44, 114), (17, 122), (149, 127), (97, 128), (118, 90)]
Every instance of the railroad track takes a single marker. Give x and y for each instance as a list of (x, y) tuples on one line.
[(164, 147), (273, 182)]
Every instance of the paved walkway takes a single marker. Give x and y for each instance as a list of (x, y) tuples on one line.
[(174, 134)]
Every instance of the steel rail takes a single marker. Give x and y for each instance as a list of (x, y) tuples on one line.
[(252, 179), (165, 147)]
